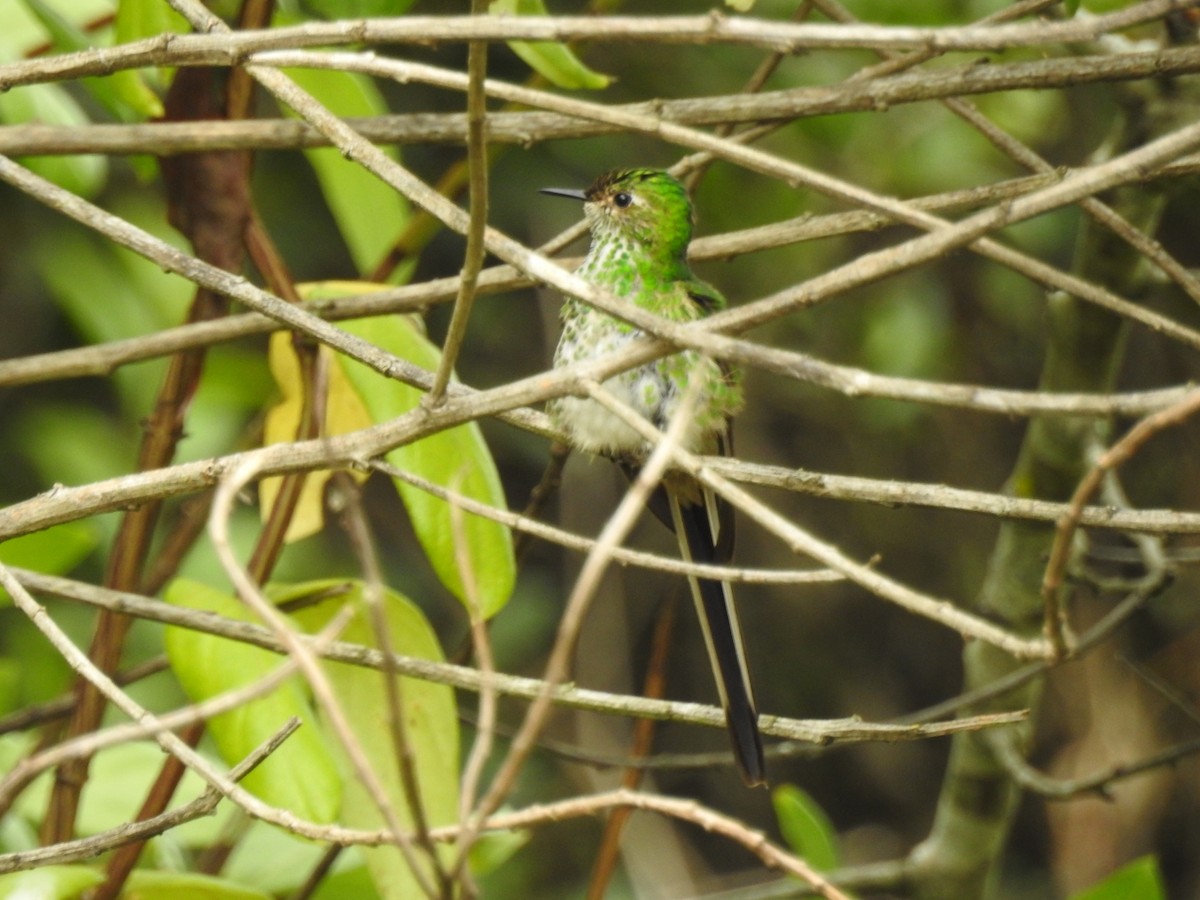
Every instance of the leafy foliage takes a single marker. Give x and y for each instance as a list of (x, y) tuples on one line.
[(930, 385)]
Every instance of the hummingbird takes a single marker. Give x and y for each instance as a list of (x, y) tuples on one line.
[(641, 224)]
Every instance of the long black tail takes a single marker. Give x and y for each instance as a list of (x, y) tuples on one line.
[(705, 531)]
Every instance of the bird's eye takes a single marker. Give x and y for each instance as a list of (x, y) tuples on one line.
[(623, 199)]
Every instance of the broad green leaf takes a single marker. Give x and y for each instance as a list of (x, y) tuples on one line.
[(300, 775), (11, 671), (91, 285), (805, 827), (16, 835), (146, 884), (370, 214), (74, 443), (138, 19), (19, 32), (50, 104), (292, 860), (430, 725), (494, 849), (742, 6), (554, 62), (123, 93), (344, 412), (1140, 880), (53, 551), (50, 882), (121, 776), (457, 458), (356, 9)]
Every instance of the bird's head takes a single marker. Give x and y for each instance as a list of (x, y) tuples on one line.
[(648, 207)]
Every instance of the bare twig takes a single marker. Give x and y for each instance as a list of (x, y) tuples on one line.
[(477, 163), (357, 527), (614, 532), (87, 848), (306, 661), (1110, 460)]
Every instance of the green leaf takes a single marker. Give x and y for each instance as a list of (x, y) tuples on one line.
[(121, 776), (300, 775), (54, 433), (553, 61), (494, 849), (53, 551), (805, 827), (49, 104), (292, 859), (50, 882), (123, 93), (430, 725), (457, 458), (343, 412), (1140, 880), (108, 293), (138, 19), (369, 213), (145, 884), (356, 9)]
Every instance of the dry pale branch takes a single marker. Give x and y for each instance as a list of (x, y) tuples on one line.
[(818, 731), (306, 659), (685, 810), (525, 128), (221, 48), (87, 848)]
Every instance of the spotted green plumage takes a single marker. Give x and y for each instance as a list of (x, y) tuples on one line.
[(641, 224)]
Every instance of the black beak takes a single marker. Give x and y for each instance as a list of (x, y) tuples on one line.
[(565, 192)]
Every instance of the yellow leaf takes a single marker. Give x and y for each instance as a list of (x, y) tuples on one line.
[(344, 412)]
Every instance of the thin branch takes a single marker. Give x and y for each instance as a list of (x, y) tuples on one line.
[(818, 731), (84, 745), (217, 47), (356, 526), (801, 541), (868, 268), (79, 661), (1098, 782), (1103, 214), (614, 532), (1110, 460), (204, 805), (477, 165), (685, 810), (522, 128), (103, 359), (306, 661), (621, 555)]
